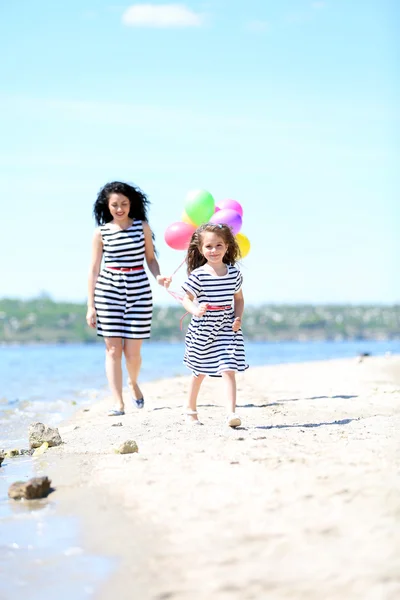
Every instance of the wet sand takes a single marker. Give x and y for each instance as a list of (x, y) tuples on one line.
[(302, 501)]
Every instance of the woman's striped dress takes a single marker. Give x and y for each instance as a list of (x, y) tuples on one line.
[(211, 345), (123, 299)]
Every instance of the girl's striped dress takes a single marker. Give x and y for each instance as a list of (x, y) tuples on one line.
[(211, 346), (123, 299)]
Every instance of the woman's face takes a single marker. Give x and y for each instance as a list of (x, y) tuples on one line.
[(119, 206)]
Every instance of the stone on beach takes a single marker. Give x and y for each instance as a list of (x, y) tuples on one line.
[(128, 447), (26, 452), (2, 456), (39, 433), (11, 453), (37, 487)]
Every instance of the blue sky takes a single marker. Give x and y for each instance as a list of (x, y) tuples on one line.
[(289, 107)]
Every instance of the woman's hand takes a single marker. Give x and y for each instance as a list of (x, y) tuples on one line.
[(164, 281), (201, 309), (237, 323), (91, 317)]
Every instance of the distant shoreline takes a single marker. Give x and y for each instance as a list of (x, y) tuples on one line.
[(44, 321)]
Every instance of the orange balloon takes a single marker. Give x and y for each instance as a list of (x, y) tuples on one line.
[(187, 219)]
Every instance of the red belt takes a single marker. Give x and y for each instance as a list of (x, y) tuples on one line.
[(209, 307), (125, 269)]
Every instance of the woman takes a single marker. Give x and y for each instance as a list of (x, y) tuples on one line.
[(120, 302)]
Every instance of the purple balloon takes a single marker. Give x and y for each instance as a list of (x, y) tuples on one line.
[(229, 217), (232, 204)]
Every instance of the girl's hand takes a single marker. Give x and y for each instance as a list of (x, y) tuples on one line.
[(237, 323), (201, 310), (164, 281), (91, 317)]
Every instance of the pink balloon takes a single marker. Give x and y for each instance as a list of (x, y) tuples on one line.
[(232, 204), (229, 217), (178, 235)]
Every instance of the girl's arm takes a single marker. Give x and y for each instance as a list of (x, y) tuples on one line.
[(151, 260), (238, 303), (94, 270), (188, 304)]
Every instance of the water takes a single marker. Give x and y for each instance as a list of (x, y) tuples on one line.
[(40, 552)]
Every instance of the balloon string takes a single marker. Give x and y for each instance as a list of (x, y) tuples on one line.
[(178, 295), (177, 269)]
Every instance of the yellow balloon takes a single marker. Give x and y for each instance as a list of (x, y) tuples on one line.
[(243, 243), (187, 219)]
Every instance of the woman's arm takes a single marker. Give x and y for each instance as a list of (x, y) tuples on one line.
[(151, 260), (238, 304), (94, 270)]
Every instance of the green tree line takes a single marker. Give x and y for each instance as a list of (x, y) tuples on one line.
[(43, 320)]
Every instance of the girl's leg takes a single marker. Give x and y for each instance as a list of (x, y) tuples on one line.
[(133, 360), (229, 379), (191, 409), (114, 369)]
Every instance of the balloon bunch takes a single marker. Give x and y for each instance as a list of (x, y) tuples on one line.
[(200, 208)]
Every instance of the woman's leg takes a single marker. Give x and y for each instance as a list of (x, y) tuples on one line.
[(114, 369), (133, 363), (229, 379), (191, 409)]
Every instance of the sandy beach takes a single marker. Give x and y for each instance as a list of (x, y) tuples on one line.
[(302, 501)]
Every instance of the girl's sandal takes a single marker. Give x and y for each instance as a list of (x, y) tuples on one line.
[(188, 420)]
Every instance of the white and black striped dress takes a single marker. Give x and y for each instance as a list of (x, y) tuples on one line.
[(123, 299), (211, 346)]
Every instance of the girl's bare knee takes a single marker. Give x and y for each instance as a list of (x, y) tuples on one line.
[(228, 374)]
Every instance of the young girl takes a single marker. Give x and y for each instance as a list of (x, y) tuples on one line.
[(119, 296), (214, 341)]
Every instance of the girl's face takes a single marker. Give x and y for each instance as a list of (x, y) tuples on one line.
[(213, 248), (119, 206)]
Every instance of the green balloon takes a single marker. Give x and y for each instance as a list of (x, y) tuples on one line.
[(199, 206)]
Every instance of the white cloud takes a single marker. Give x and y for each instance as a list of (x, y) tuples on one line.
[(162, 16), (319, 4), (258, 26)]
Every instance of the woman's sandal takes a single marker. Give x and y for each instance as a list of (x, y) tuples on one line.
[(139, 402), (115, 412), (188, 420)]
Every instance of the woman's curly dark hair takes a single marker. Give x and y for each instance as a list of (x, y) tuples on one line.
[(194, 257), (138, 202)]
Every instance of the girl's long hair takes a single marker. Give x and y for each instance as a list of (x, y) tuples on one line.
[(195, 259), (138, 202)]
